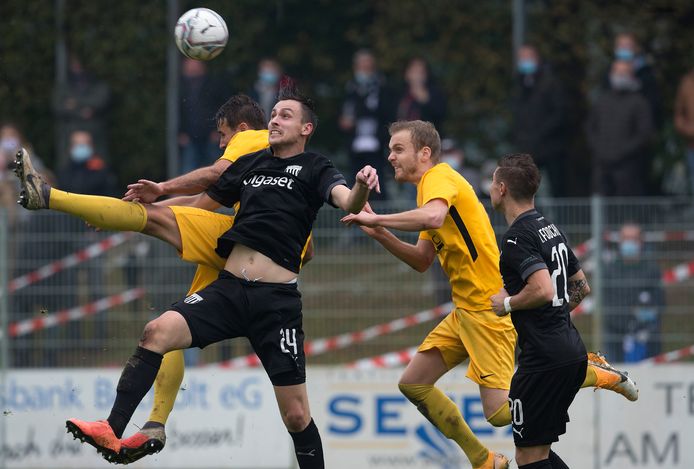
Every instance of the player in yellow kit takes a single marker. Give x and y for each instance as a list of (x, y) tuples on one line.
[(454, 226), (193, 232)]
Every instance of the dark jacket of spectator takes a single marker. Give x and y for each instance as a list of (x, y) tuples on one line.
[(619, 131), (88, 177), (539, 116), (540, 125)]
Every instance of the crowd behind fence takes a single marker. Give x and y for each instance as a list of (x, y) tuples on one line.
[(80, 298)]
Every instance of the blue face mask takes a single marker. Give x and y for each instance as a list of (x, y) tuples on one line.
[(629, 249), (623, 53), (527, 66), (362, 78), (268, 77), (81, 152)]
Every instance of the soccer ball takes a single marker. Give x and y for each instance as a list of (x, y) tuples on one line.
[(201, 34)]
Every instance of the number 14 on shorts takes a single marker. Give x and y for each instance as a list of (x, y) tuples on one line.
[(288, 339)]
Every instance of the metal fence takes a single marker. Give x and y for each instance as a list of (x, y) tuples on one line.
[(80, 298)]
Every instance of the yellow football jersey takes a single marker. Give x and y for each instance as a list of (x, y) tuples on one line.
[(243, 143), (465, 244)]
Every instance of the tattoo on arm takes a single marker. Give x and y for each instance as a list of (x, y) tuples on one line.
[(577, 291)]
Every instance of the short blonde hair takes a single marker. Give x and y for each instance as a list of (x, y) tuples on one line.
[(423, 134)]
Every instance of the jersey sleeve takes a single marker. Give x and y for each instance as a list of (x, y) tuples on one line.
[(244, 143), (522, 255), (327, 177), (574, 264), (227, 189), (438, 185)]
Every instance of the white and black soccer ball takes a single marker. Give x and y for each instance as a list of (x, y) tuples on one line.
[(201, 34)]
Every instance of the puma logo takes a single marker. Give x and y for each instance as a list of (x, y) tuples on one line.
[(520, 432), (513, 241), (310, 453)]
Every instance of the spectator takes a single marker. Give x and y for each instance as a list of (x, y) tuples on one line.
[(454, 156), (80, 103), (684, 120), (86, 173), (539, 117), (619, 132), (627, 47), (267, 85), (366, 112), (634, 299), (421, 99), (200, 97)]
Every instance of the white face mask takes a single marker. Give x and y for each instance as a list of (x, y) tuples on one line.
[(9, 144)]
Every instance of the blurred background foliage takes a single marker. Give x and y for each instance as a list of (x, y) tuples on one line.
[(469, 44)]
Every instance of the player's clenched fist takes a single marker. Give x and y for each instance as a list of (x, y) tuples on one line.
[(368, 177)]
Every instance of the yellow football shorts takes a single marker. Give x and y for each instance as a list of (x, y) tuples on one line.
[(200, 230), (486, 339)]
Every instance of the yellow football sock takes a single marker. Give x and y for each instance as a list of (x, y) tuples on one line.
[(107, 213), (166, 386), (501, 417), (445, 415), (591, 377)]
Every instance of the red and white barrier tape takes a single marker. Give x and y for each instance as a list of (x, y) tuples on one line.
[(679, 273), (91, 251), (585, 307), (387, 360), (47, 321), (319, 346), (670, 357)]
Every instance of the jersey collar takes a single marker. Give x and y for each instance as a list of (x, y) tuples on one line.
[(529, 213)]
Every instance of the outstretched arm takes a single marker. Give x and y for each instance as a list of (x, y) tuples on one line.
[(430, 216), (354, 200), (419, 256), (201, 200), (193, 182)]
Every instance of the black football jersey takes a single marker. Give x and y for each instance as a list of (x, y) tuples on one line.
[(546, 336), (280, 198)]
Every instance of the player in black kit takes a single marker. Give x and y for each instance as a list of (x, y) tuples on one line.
[(543, 282), (280, 190)]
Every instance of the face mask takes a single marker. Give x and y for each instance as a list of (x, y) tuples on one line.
[(453, 162), (629, 249), (527, 66), (81, 152), (362, 78), (623, 53), (9, 144), (268, 77)]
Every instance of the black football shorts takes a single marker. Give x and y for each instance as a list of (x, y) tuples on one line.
[(540, 401), (269, 314)]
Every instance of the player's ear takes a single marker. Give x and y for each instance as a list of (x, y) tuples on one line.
[(425, 153), (307, 129), (242, 127)]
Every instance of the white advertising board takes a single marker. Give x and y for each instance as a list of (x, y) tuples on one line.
[(221, 419), (229, 419)]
